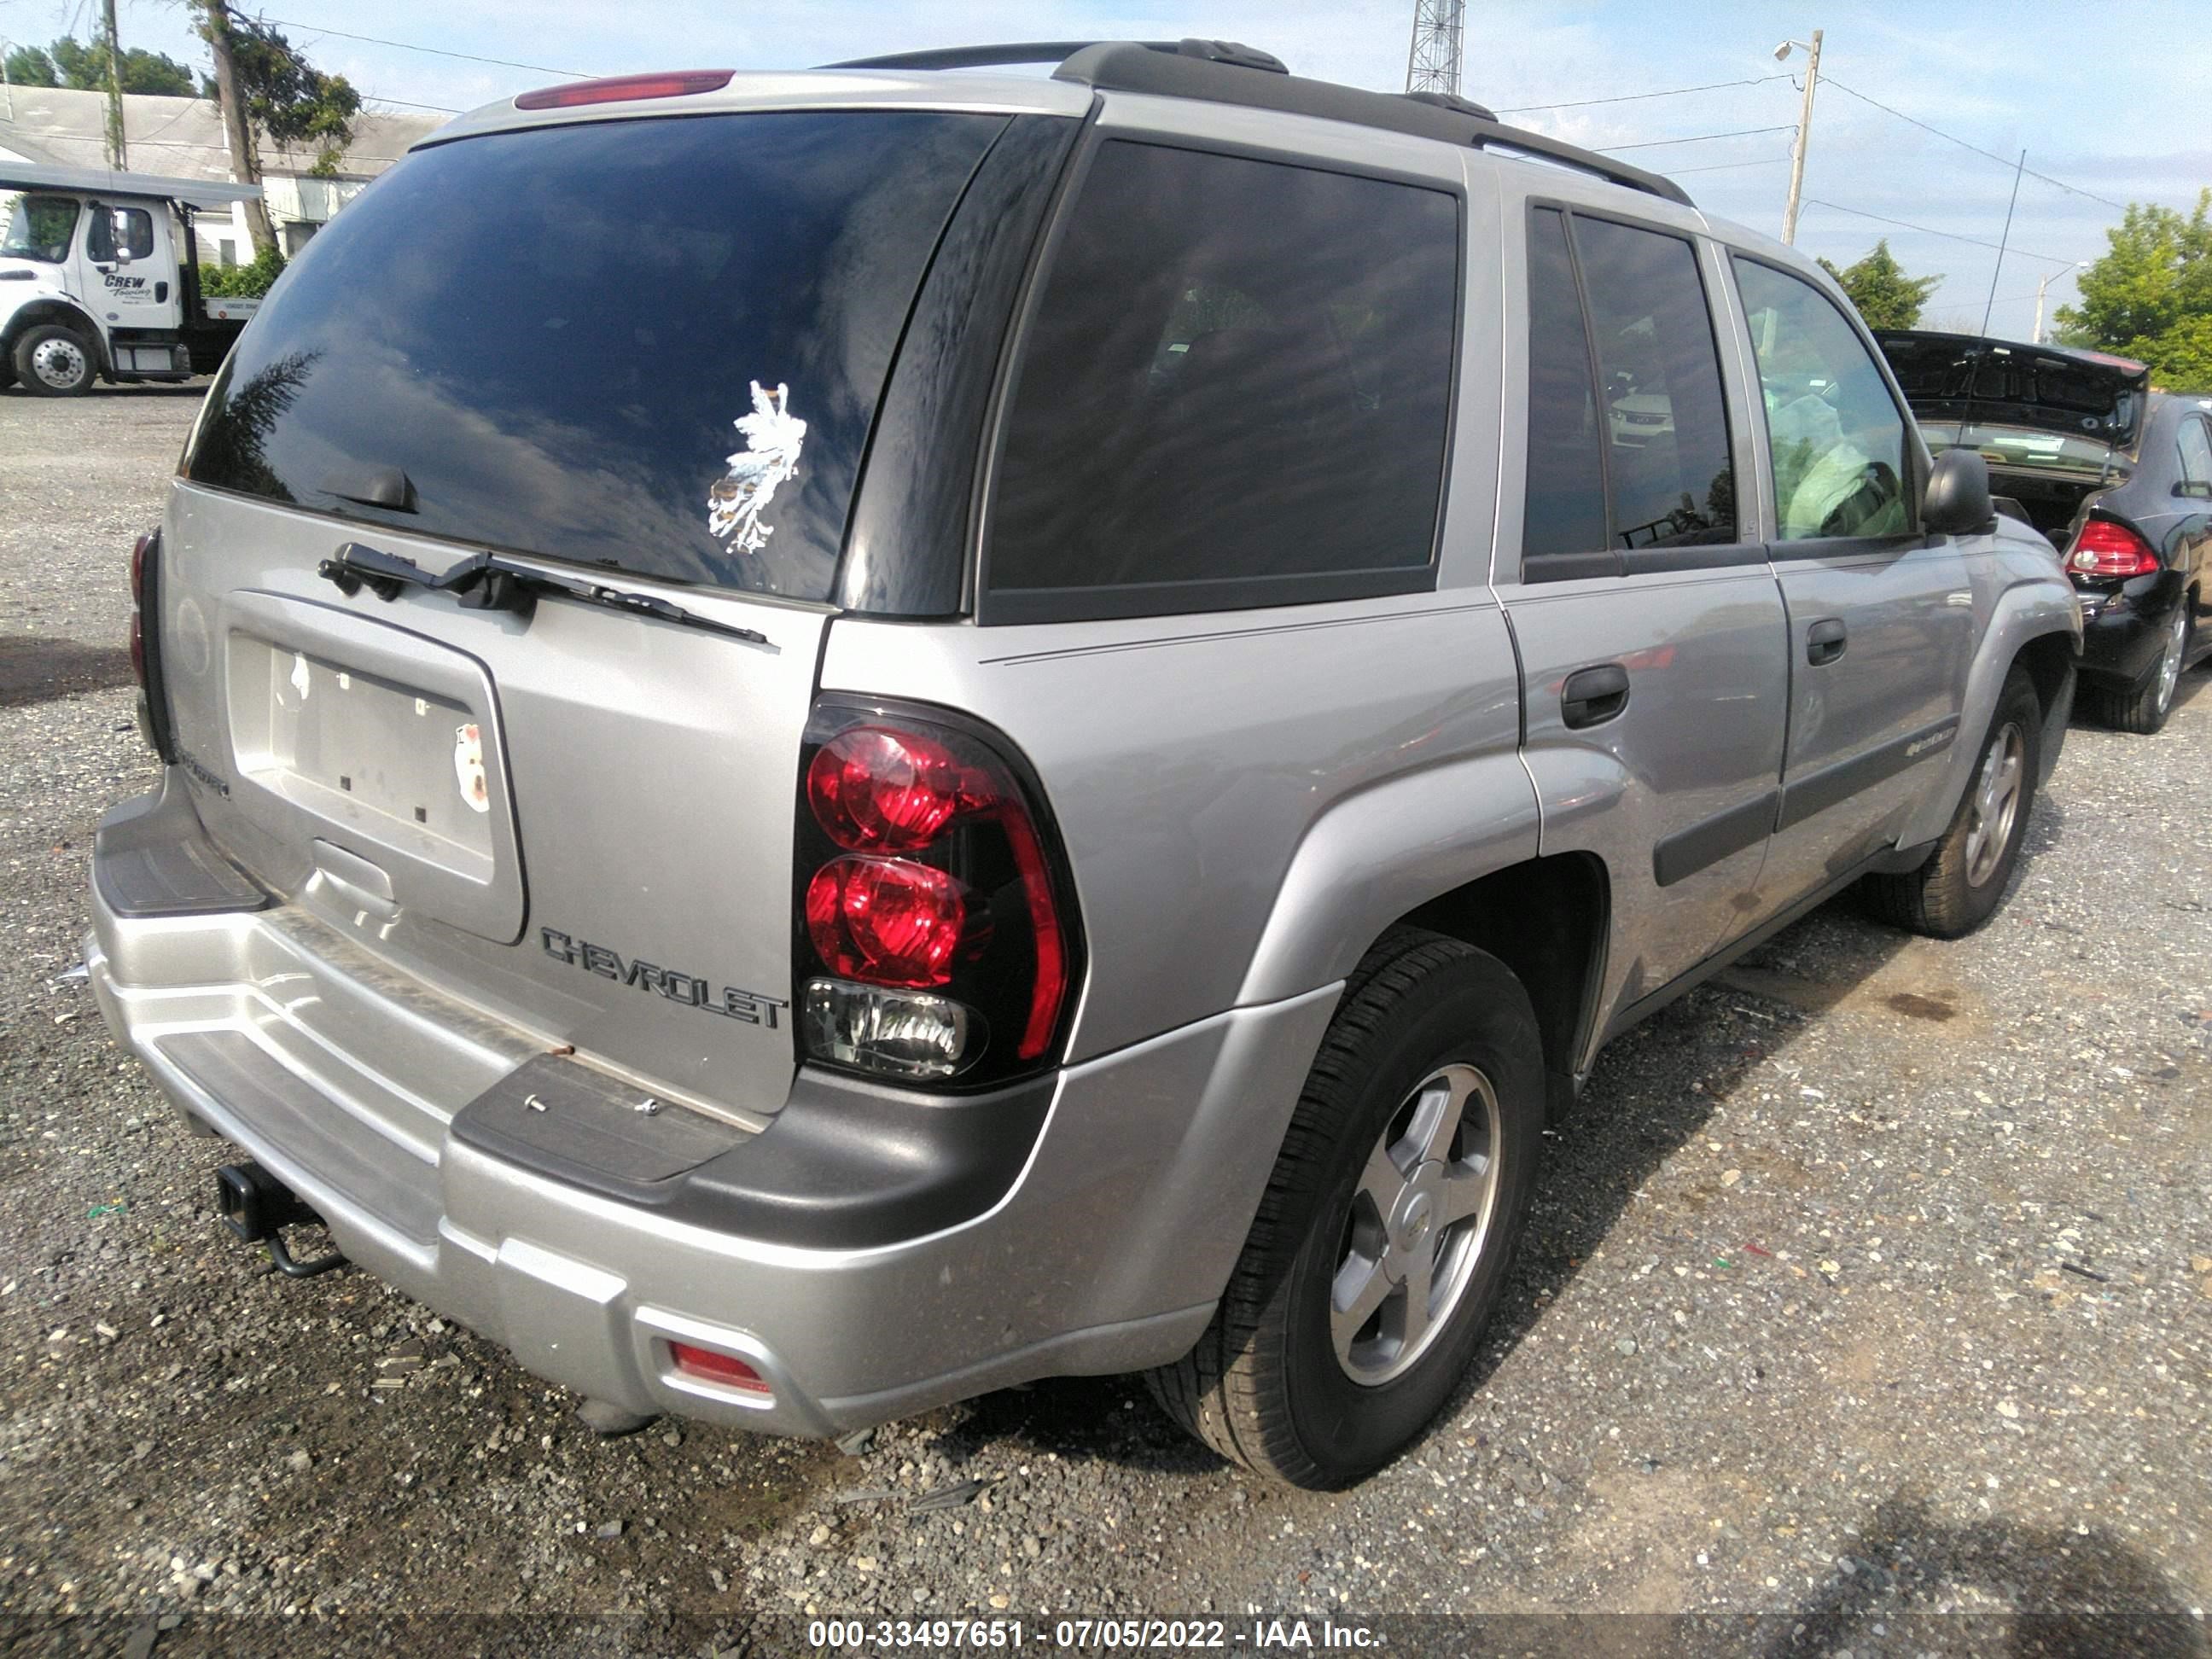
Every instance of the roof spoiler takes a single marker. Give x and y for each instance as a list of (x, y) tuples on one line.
[(1229, 72)]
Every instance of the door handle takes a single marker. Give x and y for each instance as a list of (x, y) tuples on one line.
[(1592, 697), (1823, 640)]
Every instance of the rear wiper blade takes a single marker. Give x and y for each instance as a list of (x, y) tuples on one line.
[(490, 581)]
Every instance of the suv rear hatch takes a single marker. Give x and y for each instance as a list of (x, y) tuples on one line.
[(636, 359), (2056, 425)]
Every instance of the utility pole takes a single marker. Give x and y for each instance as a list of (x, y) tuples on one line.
[(1804, 129), (237, 132), (119, 158), (2049, 277), (1432, 65)]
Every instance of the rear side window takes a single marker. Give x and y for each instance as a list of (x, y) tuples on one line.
[(1837, 440), (1628, 434), (2196, 453), (1236, 390), (651, 345)]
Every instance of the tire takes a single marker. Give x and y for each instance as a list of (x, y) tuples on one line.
[(1963, 881), (2144, 710), (50, 360), (1429, 1028)]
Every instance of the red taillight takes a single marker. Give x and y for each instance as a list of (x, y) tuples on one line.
[(974, 909), (873, 789), (709, 1365), (886, 921), (2107, 548), (620, 88)]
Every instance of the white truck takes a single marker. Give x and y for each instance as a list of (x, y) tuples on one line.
[(99, 278)]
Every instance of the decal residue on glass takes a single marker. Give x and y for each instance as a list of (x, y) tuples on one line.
[(739, 497)]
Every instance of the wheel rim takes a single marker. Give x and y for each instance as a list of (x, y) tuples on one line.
[(1996, 803), (1417, 1225), (2169, 665), (59, 363)]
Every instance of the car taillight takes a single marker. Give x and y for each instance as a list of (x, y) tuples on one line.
[(2108, 548), (621, 88), (937, 925)]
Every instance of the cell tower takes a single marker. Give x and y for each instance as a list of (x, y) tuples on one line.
[(1433, 64)]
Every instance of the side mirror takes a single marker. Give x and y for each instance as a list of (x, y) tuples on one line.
[(119, 232), (1957, 498)]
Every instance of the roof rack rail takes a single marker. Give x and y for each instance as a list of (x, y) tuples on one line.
[(1056, 52), (1214, 71)]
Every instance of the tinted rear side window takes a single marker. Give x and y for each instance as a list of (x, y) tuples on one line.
[(653, 344), (1628, 433), (1236, 391)]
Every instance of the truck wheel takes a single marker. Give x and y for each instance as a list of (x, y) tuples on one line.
[(54, 362), (1959, 888), (2144, 709), (1382, 1243)]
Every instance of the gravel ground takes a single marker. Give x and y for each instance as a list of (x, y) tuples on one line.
[(1871, 1284)]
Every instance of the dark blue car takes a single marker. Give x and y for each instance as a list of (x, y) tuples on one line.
[(2118, 475)]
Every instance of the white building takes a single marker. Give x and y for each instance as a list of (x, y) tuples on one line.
[(182, 137)]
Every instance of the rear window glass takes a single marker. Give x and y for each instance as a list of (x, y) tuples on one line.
[(1234, 391), (651, 345)]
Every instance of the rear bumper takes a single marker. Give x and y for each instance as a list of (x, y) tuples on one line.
[(1105, 1253), (2123, 630)]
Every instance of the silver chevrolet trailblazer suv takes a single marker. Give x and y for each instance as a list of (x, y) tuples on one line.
[(838, 739)]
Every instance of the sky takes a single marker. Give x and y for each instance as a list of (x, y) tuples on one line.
[(2093, 92)]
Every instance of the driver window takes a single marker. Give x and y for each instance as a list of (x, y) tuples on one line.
[(99, 239), (1834, 435)]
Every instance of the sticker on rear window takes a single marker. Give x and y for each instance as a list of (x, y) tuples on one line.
[(741, 495), (469, 766)]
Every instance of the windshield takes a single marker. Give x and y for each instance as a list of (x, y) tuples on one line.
[(652, 344), (38, 226)]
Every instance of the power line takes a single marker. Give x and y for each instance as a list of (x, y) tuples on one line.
[(404, 103), (2002, 160), (1697, 138), (1633, 97), (1722, 167), (1836, 207), (434, 51)]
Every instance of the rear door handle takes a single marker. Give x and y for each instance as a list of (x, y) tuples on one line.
[(1823, 640), (1592, 697)]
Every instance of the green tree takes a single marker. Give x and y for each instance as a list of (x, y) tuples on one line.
[(2151, 296), (287, 98), (68, 63), (1878, 286), (30, 66)]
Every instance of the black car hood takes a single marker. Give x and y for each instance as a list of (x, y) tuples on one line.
[(1966, 377)]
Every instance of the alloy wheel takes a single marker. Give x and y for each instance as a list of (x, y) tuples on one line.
[(1418, 1223), (1995, 803), (2169, 665)]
